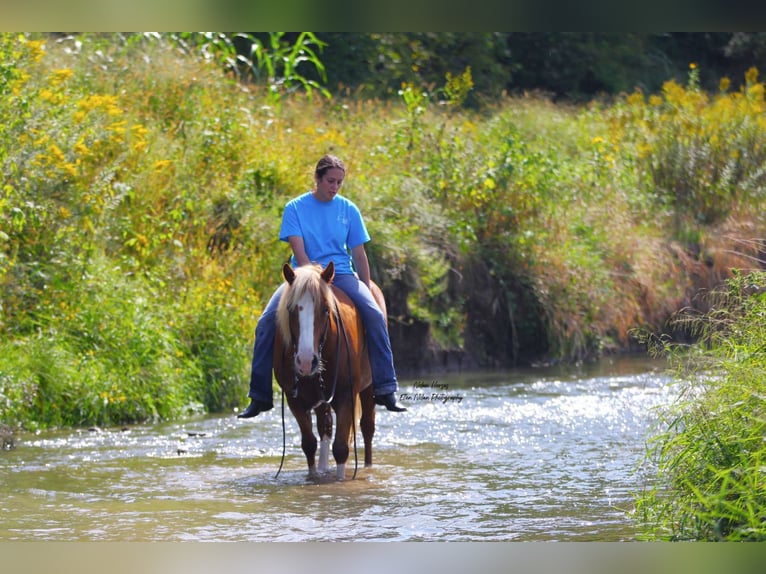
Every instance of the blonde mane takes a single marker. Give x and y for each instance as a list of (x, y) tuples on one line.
[(307, 279)]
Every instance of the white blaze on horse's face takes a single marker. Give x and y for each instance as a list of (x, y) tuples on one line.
[(306, 356)]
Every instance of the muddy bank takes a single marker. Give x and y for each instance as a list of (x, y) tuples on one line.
[(505, 327)]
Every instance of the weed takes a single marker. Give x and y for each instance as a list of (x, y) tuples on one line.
[(710, 452)]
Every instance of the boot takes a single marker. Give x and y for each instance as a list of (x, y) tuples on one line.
[(254, 409), (390, 402)]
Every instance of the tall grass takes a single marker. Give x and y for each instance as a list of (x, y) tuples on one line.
[(142, 186), (710, 453)]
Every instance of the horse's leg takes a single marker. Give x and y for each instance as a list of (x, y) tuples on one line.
[(345, 418), (367, 423), (324, 427), (308, 440)]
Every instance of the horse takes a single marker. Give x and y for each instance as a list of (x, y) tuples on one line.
[(322, 365)]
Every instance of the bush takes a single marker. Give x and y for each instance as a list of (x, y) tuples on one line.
[(710, 456), (701, 156)]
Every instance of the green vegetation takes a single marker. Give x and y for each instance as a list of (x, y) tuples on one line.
[(142, 185), (711, 455)]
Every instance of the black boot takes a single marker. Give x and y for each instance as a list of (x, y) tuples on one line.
[(390, 402), (255, 408)]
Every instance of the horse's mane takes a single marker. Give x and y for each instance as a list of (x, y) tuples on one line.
[(307, 279)]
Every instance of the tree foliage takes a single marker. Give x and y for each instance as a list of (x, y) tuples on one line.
[(573, 66)]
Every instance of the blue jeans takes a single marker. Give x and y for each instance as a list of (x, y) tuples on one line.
[(378, 344)]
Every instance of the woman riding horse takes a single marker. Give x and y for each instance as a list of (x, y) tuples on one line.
[(322, 226)]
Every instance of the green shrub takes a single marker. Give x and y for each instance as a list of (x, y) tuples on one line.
[(710, 453)]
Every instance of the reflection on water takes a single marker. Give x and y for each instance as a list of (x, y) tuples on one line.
[(525, 455)]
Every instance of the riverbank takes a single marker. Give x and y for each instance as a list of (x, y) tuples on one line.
[(693, 272)]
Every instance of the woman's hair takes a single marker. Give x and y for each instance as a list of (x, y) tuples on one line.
[(326, 163)]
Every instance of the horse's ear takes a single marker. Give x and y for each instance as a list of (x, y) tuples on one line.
[(329, 272), (288, 272)]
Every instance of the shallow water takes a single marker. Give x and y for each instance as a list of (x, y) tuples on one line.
[(542, 455)]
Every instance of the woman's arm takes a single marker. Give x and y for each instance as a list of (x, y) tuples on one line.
[(299, 249), (361, 263)]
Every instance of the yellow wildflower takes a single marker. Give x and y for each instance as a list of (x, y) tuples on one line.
[(644, 150), (751, 76), (36, 48), (674, 93), (755, 93), (56, 152), (724, 84), (81, 148), (118, 127), (60, 76), (47, 95), (468, 125), (88, 103), (636, 98), (19, 82), (139, 131), (70, 169), (100, 102)]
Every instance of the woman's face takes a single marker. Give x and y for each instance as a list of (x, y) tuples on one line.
[(329, 184)]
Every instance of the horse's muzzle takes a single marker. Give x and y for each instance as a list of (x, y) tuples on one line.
[(306, 366)]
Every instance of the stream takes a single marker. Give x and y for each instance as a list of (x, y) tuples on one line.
[(545, 454)]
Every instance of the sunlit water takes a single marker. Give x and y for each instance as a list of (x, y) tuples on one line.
[(525, 455)]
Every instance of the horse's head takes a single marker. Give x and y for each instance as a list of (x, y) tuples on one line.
[(304, 314)]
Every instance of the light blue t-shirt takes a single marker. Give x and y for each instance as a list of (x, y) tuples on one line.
[(329, 229)]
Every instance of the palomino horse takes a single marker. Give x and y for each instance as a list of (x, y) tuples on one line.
[(320, 360)]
